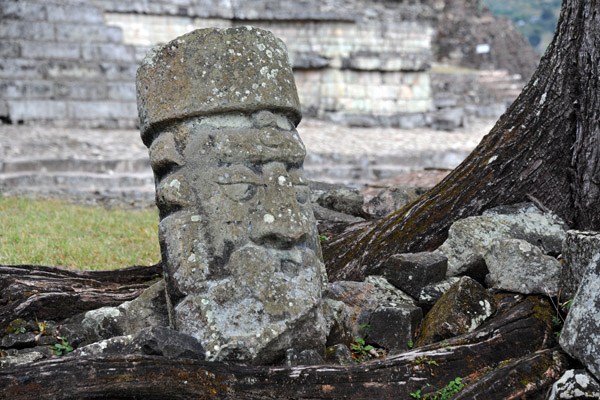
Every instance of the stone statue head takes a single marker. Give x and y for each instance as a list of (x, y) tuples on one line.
[(240, 249)]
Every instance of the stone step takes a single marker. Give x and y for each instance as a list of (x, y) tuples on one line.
[(46, 50), (23, 30), (78, 180), (80, 165), (80, 70), (48, 11), (19, 89)]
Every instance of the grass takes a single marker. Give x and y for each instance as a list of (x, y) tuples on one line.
[(57, 233)]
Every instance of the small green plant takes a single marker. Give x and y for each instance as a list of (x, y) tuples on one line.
[(360, 350), (410, 344), (425, 360), (445, 393), (566, 306), (323, 238), (63, 347), (19, 330)]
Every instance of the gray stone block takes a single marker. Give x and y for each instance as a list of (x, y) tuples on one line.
[(81, 90), (36, 109), (122, 91), (430, 294), (108, 52), (78, 33), (464, 307), (580, 335), (578, 250), (394, 328), (73, 69), (50, 50), (74, 13), (411, 272), (345, 200), (163, 341), (517, 266), (575, 384), (23, 10), (469, 238), (17, 89), (9, 49), (25, 30), (101, 110)]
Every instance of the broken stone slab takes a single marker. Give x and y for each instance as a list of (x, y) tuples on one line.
[(580, 335), (578, 249), (411, 272), (113, 345), (469, 238), (344, 200), (21, 359), (430, 294), (147, 310), (575, 384), (394, 328), (338, 354), (349, 306), (389, 200), (326, 214), (515, 265), (387, 294), (163, 341), (464, 307), (293, 358)]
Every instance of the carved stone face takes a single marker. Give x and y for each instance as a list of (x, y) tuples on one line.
[(237, 230)]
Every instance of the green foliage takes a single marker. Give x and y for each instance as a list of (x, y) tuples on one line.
[(323, 238), (535, 19), (445, 393), (62, 348), (51, 232), (410, 344), (360, 350)]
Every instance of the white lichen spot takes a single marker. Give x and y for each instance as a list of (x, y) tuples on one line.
[(175, 183), (261, 47), (491, 160), (269, 53), (281, 180), (543, 98), (195, 218), (269, 219), (231, 51), (192, 258)]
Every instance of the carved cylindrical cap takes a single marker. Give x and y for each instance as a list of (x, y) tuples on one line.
[(209, 71)]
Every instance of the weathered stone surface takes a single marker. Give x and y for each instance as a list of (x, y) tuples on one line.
[(413, 271), (575, 384), (241, 252), (345, 200), (580, 336), (359, 300), (20, 359), (518, 266), (469, 238), (294, 358), (387, 294), (338, 322), (209, 71), (163, 341), (389, 200), (460, 310), (578, 249), (338, 354), (430, 294), (18, 341), (326, 214), (148, 309), (113, 345), (394, 328)]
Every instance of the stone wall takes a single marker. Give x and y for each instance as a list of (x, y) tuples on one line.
[(61, 64), (73, 62)]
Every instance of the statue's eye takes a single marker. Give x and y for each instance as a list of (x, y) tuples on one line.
[(302, 193), (239, 191)]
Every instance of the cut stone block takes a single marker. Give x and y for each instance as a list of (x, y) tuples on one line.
[(411, 272)]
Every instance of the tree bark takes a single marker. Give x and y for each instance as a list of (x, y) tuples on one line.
[(545, 149), (47, 293), (516, 334)]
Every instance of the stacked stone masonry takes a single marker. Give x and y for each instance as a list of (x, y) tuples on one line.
[(61, 63), (73, 62)]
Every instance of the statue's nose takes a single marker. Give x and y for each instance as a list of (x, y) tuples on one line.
[(280, 223)]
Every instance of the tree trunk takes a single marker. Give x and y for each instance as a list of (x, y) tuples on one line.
[(47, 293), (545, 149), (513, 337)]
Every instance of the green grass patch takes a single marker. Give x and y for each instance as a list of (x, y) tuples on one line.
[(58, 233)]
